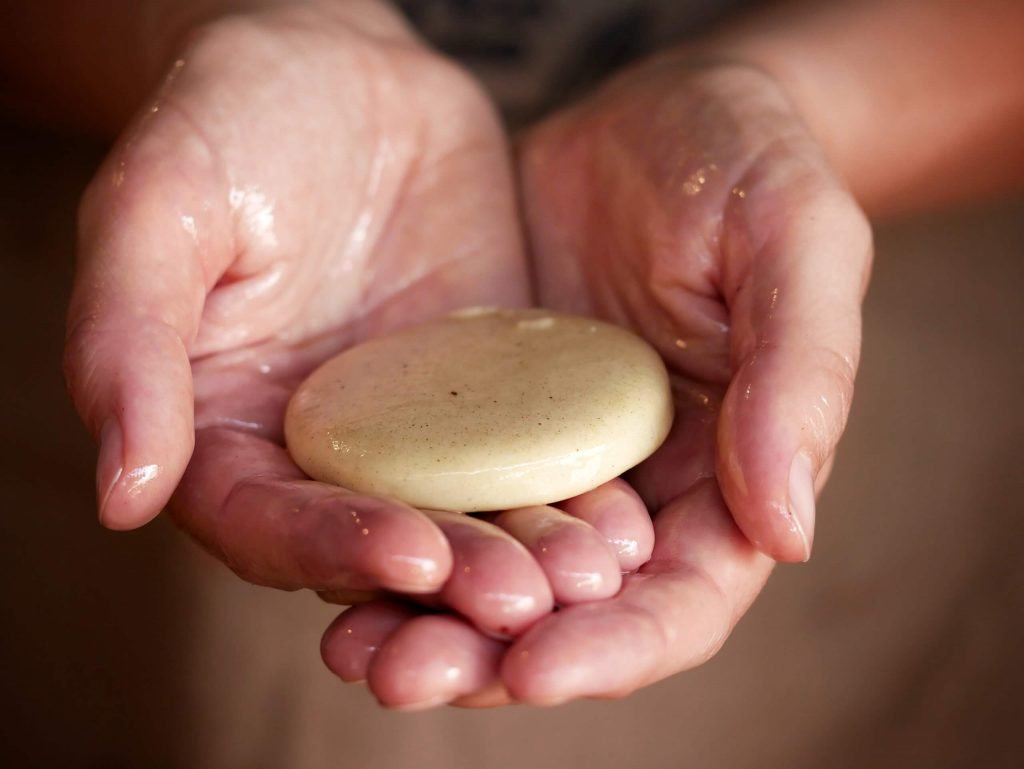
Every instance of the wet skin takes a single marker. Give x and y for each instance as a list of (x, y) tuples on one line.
[(245, 228)]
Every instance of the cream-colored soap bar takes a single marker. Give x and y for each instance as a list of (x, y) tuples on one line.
[(483, 410)]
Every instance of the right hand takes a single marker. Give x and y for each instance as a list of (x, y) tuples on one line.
[(308, 176), (303, 178)]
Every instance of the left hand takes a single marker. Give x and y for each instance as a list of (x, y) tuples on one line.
[(689, 203)]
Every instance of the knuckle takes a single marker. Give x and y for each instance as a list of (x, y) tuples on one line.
[(316, 540), (77, 368), (829, 407)]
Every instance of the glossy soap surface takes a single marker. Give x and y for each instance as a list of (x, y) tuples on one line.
[(483, 410)]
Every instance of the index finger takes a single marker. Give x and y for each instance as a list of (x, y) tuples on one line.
[(245, 500)]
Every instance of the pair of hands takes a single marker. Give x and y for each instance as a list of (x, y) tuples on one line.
[(311, 175)]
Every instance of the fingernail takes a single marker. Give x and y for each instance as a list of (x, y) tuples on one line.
[(109, 465), (801, 499), (414, 574)]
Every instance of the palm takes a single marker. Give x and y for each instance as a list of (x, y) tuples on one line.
[(337, 197), (648, 225), (662, 219)]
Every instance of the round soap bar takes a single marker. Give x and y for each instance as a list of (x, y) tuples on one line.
[(483, 409)]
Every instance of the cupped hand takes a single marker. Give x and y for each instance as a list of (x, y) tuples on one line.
[(307, 176), (686, 201)]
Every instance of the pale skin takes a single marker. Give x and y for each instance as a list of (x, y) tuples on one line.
[(310, 175)]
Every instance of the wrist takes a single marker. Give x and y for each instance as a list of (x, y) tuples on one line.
[(910, 99), (166, 26), (828, 98)]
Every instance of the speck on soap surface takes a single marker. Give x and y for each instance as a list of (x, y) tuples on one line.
[(483, 409)]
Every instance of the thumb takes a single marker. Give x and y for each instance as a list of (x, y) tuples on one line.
[(795, 347), (146, 259)]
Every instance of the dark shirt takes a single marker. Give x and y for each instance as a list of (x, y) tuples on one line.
[(536, 54)]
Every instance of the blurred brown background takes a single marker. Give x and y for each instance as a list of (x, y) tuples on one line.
[(897, 646)]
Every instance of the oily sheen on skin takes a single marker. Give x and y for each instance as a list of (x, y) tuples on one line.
[(483, 409)]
